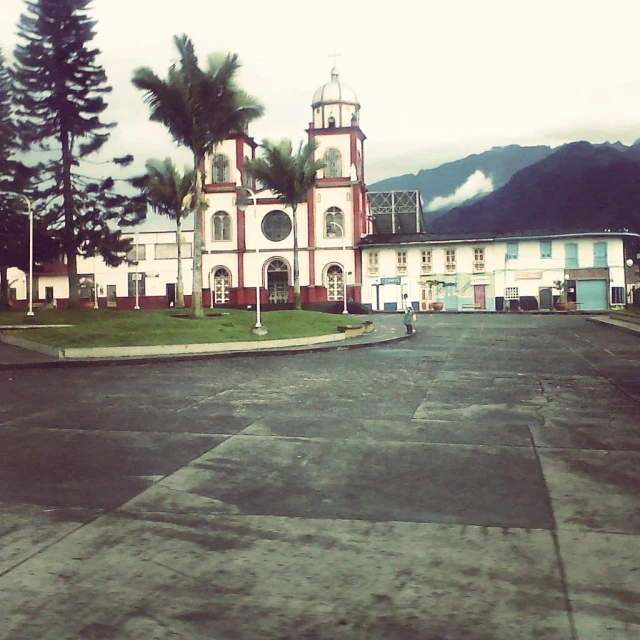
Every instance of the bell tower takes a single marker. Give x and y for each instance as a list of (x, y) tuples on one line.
[(338, 205)]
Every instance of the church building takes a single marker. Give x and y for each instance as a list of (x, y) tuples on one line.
[(249, 249)]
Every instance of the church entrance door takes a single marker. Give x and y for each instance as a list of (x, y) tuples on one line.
[(278, 282)]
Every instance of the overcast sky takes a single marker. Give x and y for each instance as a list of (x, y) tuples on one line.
[(437, 80)]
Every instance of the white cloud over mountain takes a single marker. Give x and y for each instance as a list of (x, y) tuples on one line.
[(475, 185)]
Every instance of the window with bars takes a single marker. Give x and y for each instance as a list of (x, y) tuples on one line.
[(401, 263), (426, 264), (221, 226), (221, 171), (450, 260), (617, 295), (478, 260), (333, 163), (373, 263), (511, 293)]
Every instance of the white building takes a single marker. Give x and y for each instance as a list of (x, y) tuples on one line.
[(493, 273)]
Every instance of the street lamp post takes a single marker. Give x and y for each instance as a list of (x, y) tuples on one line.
[(136, 307), (210, 292), (344, 268), (30, 311), (95, 285), (242, 205)]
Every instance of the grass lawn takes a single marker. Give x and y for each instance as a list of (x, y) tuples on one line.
[(111, 328)]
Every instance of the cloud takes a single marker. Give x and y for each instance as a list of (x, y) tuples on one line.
[(476, 184)]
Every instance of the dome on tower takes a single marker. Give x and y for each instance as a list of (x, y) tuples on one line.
[(334, 91)]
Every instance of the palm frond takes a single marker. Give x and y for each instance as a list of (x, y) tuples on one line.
[(288, 175)]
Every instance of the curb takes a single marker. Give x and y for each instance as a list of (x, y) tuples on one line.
[(629, 329), (311, 348)]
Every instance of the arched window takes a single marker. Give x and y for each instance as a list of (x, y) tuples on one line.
[(334, 283), (221, 285), (333, 223), (333, 163), (221, 171), (221, 226)]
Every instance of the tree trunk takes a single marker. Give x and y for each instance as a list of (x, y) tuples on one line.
[(196, 294), (179, 285), (4, 289), (297, 304), (69, 222)]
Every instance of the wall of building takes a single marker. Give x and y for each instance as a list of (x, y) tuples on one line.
[(520, 277)]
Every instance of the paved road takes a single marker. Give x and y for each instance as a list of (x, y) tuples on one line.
[(480, 481)]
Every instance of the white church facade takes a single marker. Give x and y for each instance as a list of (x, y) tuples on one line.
[(371, 247)]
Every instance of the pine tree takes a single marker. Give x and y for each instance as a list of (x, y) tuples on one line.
[(11, 223), (14, 206), (60, 94)]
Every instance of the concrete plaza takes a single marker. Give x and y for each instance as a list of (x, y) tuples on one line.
[(478, 481)]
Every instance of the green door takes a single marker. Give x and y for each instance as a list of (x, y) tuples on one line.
[(546, 299), (591, 295)]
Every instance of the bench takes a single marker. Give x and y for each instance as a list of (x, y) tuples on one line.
[(472, 305)]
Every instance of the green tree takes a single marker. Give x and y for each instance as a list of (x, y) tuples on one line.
[(14, 202), (59, 91), (11, 229), (289, 177), (168, 193), (199, 108)]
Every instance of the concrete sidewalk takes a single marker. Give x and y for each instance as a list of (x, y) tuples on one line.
[(387, 328), (619, 321), (479, 482)]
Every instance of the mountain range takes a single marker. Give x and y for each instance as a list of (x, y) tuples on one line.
[(510, 190)]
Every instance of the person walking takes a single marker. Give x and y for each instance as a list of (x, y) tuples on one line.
[(408, 314)]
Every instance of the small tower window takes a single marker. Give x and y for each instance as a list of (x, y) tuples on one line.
[(221, 226), (220, 169), (333, 163), (334, 223), (332, 122)]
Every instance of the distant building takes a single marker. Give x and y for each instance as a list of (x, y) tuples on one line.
[(477, 273)]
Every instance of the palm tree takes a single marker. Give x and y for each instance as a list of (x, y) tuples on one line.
[(167, 191), (200, 108), (289, 177)]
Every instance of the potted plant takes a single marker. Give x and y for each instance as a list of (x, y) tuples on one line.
[(562, 286), (435, 287)]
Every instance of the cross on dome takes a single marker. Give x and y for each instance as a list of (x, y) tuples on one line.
[(334, 72)]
